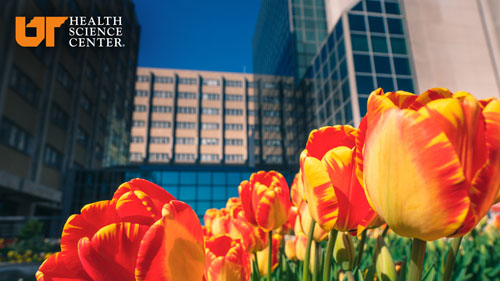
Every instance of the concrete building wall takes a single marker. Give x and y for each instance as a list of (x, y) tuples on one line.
[(450, 46)]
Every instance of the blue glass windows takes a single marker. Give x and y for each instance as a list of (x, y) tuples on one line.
[(395, 26), (359, 42), (362, 63), (402, 66), (376, 24), (357, 22), (382, 64)]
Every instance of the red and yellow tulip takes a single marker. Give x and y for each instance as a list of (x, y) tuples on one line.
[(231, 221), (290, 250), (131, 237), (333, 192), (263, 256), (431, 163), (303, 223), (226, 259), (265, 199)]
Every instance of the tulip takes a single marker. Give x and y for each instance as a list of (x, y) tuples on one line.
[(263, 256), (265, 199), (287, 227), (290, 250), (431, 163), (303, 223), (386, 270), (297, 189), (126, 239), (344, 251), (333, 191), (233, 223), (301, 248), (226, 259)]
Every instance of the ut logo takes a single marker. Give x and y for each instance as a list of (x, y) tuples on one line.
[(45, 27)]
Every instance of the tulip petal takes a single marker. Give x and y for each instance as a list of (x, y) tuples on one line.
[(401, 99), (141, 201), (111, 253), (92, 218), (322, 140), (408, 162), (486, 184), (352, 203), (54, 269), (463, 124), (430, 95), (320, 194), (172, 249), (245, 191)]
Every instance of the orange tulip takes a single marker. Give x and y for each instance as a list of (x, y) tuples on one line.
[(290, 223), (263, 256), (265, 199), (226, 259), (431, 163), (300, 249), (127, 239), (303, 223), (297, 190), (290, 250), (233, 223), (334, 194)]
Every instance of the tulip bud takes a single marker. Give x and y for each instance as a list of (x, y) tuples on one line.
[(290, 251), (344, 251), (386, 270)]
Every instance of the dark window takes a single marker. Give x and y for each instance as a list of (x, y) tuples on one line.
[(59, 117), (188, 81), (15, 137), (382, 64), (82, 137), (24, 86), (358, 7), (402, 66), (379, 44), (392, 8), (373, 6), (398, 45), (341, 49), (52, 157), (359, 42), (386, 83), (343, 70), (357, 22), (234, 83), (362, 63), (65, 78), (376, 24), (365, 84), (395, 26), (362, 105), (405, 84)]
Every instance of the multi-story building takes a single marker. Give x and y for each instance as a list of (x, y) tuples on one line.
[(205, 117), (61, 108), (396, 45), (402, 45)]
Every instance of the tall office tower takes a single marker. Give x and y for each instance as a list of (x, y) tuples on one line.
[(366, 49), (401, 45), (61, 108), (287, 36)]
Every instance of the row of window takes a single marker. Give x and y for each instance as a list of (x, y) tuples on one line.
[(161, 140), (209, 157), (15, 137), (158, 157), (230, 97), (162, 94), (164, 79), (186, 125), (24, 86), (186, 95), (64, 78), (233, 142), (234, 158), (209, 141)]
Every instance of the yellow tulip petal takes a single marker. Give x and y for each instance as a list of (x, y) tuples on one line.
[(413, 176)]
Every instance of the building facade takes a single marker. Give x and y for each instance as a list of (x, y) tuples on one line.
[(61, 108), (205, 117), (408, 45), (201, 186)]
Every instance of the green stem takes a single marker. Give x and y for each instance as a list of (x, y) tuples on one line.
[(270, 257), (417, 259), (305, 273), (327, 263), (255, 268), (349, 275), (450, 261), (384, 233), (316, 267), (361, 247)]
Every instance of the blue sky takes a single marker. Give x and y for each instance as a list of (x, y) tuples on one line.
[(197, 34)]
